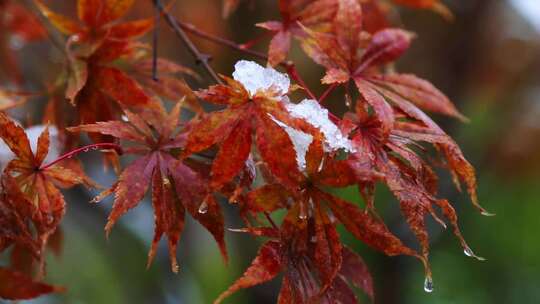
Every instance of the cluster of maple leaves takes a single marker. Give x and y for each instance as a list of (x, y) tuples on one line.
[(260, 151)]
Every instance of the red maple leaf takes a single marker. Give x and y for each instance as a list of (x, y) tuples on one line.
[(154, 137), (17, 286), (38, 183), (233, 127), (97, 88), (314, 14)]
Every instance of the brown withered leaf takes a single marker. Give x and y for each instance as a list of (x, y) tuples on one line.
[(153, 136)]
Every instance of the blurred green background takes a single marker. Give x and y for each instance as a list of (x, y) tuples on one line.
[(487, 60)]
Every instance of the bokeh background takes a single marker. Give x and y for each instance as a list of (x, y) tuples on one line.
[(487, 60)]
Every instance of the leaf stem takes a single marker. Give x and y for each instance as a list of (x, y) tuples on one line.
[(269, 218), (200, 58), (70, 154), (54, 36), (293, 72), (327, 92)]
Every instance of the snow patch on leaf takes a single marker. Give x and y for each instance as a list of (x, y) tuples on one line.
[(300, 140), (255, 77), (311, 111)]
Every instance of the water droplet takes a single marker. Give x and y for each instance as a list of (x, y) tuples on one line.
[(468, 252), (428, 285), (348, 101), (124, 118), (86, 150), (166, 181), (70, 156), (313, 239), (303, 214), (203, 208), (95, 148), (486, 213), (321, 165), (175, 268)]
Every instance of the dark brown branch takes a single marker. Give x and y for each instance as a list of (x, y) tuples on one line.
[(53, 35), (155, 36), (200, 58)]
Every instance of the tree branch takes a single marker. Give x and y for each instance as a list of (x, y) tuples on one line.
[(200, 58)]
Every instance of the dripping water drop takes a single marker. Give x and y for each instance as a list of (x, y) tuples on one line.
[(303, 213), (468, 252), (428, 285)]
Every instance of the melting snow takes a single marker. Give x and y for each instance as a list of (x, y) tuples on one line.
[(255, 77), (311, 111), (300, 140)]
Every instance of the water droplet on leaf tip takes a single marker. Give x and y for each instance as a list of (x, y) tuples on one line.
[(468, 252), (203, 208), (428, 285), (486, 213)]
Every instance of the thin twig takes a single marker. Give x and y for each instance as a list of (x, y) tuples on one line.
[(190, 28), (53, 35), (70, 154), (200, 58), (327, 92), (270, 220), (155, 45), (293, 72)]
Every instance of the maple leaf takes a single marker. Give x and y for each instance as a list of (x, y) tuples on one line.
[(16, 212), (38, 182), (406, 174), (311, 241), (18, 286), (98, 90), (175, 187), (255, 104), (305, 260), (18, 26), (314, 14), (339, 53)]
